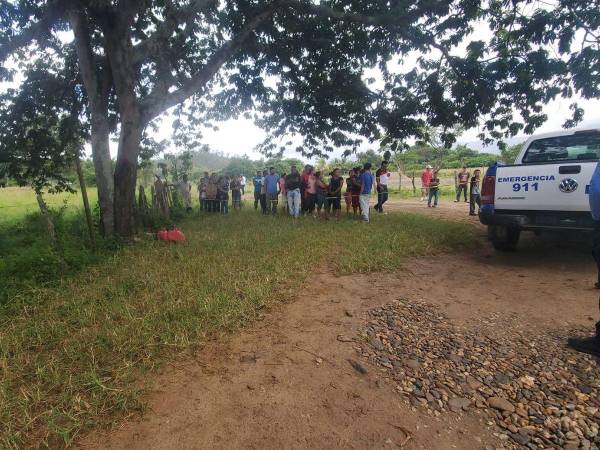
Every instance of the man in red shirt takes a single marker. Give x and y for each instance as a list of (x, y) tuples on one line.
[(382, 177), (426, 177)]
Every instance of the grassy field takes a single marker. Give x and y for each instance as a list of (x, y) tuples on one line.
[(75, 348), (28, 260), (16, 203)]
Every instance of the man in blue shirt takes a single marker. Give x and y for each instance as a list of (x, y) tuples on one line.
[(594, 199), (366, 185), (257, 182), (591, 345), (272, 190)]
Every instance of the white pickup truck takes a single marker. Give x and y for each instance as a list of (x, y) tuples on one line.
[(546, 188)]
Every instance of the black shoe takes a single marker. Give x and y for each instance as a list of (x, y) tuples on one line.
[(590, 345), (597, 285)]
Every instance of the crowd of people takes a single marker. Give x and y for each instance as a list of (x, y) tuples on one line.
[(314, 193), (466, 185), (213, 191)]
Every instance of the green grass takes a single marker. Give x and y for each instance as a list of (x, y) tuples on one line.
[(16, 203), (29, 260), (73, 353)]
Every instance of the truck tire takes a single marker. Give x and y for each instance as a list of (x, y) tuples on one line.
[(503, 238)]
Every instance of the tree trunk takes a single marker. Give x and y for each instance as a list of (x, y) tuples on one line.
[(126, 179), (46, 216), (104, 173), (118, 46), (97, 89)]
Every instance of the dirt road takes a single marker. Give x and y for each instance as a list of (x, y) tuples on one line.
[(295, 379)]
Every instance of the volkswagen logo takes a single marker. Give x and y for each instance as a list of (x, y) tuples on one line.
[(568, 185)]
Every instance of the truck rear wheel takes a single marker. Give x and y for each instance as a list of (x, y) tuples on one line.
[(503, 238)]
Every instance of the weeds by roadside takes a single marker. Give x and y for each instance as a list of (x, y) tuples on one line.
[(72, 354)]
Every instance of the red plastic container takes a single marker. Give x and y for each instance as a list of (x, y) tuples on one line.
[(175, 235)]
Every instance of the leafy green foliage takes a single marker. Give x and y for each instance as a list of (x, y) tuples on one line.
[(509, 154), (29, 259), (298, 68), (40, 127)]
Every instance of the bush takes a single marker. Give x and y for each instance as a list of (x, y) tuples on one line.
[(31, 259)]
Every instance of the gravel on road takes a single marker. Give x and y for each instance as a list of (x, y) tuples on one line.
[(538, 393)]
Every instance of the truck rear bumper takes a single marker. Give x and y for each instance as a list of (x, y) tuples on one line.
[(535, 220)]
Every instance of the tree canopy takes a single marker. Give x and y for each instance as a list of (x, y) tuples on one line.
[(297, 67)]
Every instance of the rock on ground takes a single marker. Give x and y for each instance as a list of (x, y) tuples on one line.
[(530, 386)]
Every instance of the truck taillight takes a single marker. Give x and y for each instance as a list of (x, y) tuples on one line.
[(488, 190)]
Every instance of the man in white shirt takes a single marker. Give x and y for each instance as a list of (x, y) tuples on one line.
[(382, 177), (243, 183)]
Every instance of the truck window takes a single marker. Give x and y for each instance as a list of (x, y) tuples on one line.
[(575, 147)]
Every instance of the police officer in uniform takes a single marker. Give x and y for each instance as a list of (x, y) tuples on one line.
[(591, 345)]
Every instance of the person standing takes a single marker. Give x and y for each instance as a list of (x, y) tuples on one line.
[(242, 179), (185, 190), (475, 195), (434, 190), (263, 192), (272, 190), (594, 200), (310, 190), (293, 181), (334, 194), (381, 178), (426, 176), (304, 177), (236, 192), (257, 183), (348, 193), (366, 185), (463, 181), (223, 195), (283, 191), (321, 195), (211, 193), (591, 345), (356, 187), (202, 191)]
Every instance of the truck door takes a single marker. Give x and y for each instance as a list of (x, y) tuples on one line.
[(554, 174)]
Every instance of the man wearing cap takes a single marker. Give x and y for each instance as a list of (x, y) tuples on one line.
[(425, 180)]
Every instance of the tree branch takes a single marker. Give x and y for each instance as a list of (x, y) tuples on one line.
[(34, 32), (392, 17), (156, 103), (155, 42), (85, 55)]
